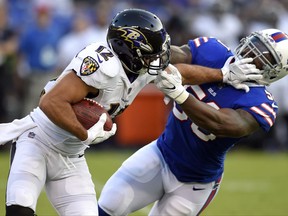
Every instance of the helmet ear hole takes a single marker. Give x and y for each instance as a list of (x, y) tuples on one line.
[(137, 65), (135, 33), (120, 43)]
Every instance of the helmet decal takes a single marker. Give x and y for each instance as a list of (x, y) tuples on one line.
[(136, 38), (279, 36)]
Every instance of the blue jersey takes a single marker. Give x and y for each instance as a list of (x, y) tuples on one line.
[(192, 153)]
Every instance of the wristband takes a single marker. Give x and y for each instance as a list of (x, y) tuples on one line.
[(182, 97)]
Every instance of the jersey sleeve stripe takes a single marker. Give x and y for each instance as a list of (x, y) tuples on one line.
[(263, 114), (205, 39), (269, 109), (200, 40), (198, 92), (197, 42)]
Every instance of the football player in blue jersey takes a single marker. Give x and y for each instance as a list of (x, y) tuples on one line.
[(181, 171)]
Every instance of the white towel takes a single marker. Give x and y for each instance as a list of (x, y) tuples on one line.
[(12, 130)]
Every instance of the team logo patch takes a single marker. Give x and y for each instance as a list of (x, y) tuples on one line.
[(89, 66)]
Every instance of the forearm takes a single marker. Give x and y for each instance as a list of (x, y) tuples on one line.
[(62, 114), (196, 75), (222, 122)]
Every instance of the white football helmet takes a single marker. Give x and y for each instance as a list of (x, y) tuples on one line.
[(269, 50)]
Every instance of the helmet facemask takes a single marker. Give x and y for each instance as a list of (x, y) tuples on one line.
[(261, 48), (152, 63)]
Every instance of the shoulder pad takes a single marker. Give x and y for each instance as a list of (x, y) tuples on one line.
[(111, 67), (108, 62)]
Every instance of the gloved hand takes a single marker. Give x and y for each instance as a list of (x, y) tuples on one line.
[(171, 84), (240, 71), (97, 134)]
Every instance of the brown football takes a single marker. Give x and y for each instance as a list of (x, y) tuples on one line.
[(88, 113)]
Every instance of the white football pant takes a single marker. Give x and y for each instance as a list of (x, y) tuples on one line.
[(144, 178), (67, 181)]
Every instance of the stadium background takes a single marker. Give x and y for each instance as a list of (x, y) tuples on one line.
[(256, 169)]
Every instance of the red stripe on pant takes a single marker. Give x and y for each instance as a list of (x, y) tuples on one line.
[(211, 196)]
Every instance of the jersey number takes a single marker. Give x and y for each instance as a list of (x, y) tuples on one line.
[(199, 132)]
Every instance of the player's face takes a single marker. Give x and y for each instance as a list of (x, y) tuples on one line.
[(260, 54), (259, 62), (153, 63)]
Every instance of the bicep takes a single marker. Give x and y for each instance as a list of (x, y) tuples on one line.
[(70, 88), (224, 122), (236, 123)]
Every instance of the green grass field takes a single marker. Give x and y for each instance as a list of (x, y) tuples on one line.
[(255, 183)]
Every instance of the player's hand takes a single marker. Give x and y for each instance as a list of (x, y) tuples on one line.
[(97, 134), (170, 83), (236, 72)]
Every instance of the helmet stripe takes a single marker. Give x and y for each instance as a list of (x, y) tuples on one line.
[(279, 36)]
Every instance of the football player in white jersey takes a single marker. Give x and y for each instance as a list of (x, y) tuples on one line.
[(49, 151), (181, 171), (50, 142)]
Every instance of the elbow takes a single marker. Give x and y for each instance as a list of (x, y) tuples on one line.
[(45, 104)]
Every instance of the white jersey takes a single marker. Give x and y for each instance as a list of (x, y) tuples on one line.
[(99, 67)]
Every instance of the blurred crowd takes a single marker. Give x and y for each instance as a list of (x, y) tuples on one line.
[(38, 38)]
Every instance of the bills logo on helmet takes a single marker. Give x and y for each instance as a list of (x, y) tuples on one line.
[(279, 36), (89, 66), (136, 38)]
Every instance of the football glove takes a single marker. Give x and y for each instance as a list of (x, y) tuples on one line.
[(237, 72), (97, 134), (171, 84)]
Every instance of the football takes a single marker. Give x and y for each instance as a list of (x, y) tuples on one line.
[(88, 113)]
